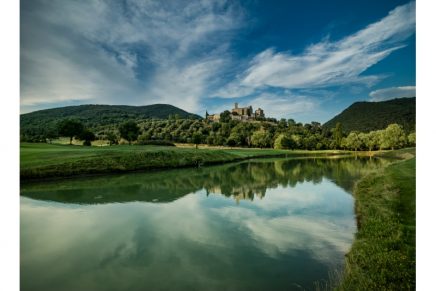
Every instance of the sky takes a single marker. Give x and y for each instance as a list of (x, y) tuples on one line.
[(306, 60)]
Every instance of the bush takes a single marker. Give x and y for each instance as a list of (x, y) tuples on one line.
[(282, 142)]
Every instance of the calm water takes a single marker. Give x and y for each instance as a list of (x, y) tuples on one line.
[(260, 225)]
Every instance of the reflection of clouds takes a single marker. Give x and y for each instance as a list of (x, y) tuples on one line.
[(326, 240), (193, 235), (114, 236), (324, 198), (307, 217)]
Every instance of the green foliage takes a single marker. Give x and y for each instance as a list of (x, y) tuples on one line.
[(197, 138), (112, 138), (337, 135), (70, 128), (372, 139), (129, 130), (370, 116), (393, 137), (352, 141), (225, 116), (87, 136), (411, 138), (264, 134), (260, 139), (35, 125), (283, 142)]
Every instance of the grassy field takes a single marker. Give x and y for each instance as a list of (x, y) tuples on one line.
[(383, 254), (38, 161)]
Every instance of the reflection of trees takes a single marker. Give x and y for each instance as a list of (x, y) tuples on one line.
[(240, 181)]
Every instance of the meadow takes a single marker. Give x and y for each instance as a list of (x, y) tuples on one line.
[(383, 255), (40, 160)]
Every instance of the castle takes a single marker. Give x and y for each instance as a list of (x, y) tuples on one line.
[(240, 113)]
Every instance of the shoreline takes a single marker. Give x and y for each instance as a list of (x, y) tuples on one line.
[(382, 256), (87, 162)]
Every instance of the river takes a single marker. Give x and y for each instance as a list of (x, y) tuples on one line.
[(265, 224)]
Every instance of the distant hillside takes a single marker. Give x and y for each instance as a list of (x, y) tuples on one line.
[(368, 116), (96, 116)]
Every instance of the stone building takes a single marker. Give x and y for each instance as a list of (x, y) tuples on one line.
[(239, 113), (243, 111)]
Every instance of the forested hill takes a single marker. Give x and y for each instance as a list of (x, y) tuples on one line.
[(101, 115), (368, 116)]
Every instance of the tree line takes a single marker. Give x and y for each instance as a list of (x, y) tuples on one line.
[(281, 134)]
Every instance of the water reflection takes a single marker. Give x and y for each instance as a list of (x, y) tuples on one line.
[(258, 225), (245, 181)]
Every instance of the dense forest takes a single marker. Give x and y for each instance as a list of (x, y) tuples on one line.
[(283, 134), (368, 116)]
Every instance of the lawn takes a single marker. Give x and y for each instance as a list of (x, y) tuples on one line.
[(56, 160), (383, 254)]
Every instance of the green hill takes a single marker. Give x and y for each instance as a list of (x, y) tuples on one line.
[(96, 116), (368, 116)]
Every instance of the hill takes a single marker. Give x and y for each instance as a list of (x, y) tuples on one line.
[(96, 116), (368, 116)]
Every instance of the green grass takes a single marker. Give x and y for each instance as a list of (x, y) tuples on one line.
[(382, 256), (38, 161)]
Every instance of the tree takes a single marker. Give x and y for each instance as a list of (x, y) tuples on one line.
[(225, 116), (363, 137), (372, 140), (352, 141), (50, 134), (296, 141), (393, 136), (260, 138), (70, 128), (197, 138), (411, 138), (337, 135), (113, 139), (87, 136), (129, 130), (282, 142)]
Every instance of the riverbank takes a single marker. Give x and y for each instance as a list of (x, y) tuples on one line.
[(382, 256), (49, 161)]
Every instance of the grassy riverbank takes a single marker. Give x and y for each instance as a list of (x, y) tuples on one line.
[(383, 254), (41, 161)]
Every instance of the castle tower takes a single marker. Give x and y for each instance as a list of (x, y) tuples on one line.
[(236, 105)]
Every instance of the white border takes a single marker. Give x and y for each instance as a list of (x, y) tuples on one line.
[(425, 174), (9, 167)]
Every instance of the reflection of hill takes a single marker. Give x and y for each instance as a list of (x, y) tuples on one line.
[(241, 181)]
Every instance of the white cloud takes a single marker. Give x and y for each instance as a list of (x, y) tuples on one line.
[(283, 105), (393, 92), (140, 53), (330, 63)]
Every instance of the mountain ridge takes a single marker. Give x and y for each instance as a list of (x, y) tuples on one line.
[(96, 116), (365, 116)]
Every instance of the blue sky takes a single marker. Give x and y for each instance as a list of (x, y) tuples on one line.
[(306, 60)]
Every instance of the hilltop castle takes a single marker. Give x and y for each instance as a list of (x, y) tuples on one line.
[(240, 113)]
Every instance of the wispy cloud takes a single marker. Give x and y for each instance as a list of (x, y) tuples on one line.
[(284, 105), (328, 63), (393, 92), (132, 52)]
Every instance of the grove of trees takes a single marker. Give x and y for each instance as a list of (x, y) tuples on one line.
[(281, 134)]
